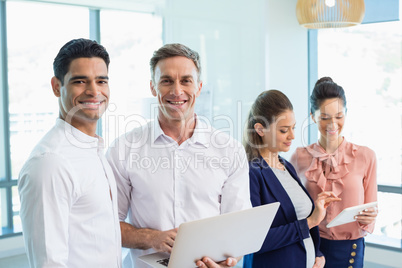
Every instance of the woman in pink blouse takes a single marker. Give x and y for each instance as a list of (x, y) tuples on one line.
[(348, 170)]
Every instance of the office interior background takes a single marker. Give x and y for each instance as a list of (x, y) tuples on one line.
[(246, 47)]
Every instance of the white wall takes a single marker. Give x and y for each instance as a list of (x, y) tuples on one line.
[(229, 35), (287, 60), (246, 47)]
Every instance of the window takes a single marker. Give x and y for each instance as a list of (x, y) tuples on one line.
[(366, 61), (30, 57), (28, 108)]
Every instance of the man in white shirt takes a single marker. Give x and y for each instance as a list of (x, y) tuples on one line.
[(67, 189), (176, 168)]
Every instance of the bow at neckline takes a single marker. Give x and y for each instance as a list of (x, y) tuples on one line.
[(330, 168)]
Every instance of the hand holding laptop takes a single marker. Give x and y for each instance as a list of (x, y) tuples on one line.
[(221, 238), (209, 263), (162, 241)]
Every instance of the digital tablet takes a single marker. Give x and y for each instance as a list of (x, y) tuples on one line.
[(348, 214)]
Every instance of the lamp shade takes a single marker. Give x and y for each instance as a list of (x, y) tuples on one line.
[(316, 14)]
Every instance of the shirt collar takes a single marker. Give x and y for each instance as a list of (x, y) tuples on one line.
[(156, 130), (200, 134), (79, 138)]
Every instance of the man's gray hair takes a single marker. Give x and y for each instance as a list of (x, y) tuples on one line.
[(173, 50)]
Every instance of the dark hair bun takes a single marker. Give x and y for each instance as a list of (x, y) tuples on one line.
[(324, 79), (325, 88)]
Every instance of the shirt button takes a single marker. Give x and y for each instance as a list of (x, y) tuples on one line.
[(351, 260), (353, 254), (350, 266), (354, 246)]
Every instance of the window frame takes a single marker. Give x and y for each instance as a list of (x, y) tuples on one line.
[(6, 182), (376, 12)]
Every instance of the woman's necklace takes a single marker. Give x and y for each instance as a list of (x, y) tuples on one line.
[(273, 161)]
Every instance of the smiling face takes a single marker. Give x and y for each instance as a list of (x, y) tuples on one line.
[(330, 119), (176, 86), (84, 93), (279, 135)]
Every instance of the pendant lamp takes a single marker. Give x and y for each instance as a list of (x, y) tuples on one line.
[(316, 14)]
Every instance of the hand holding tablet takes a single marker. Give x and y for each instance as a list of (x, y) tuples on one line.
[(348, 214)]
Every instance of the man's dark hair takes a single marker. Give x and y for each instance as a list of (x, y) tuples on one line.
[(77, 48)]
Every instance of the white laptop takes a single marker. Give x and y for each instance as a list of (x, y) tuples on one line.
[(228, 235), (348, 214)]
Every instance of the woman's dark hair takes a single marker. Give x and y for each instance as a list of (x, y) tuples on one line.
[(325, 88), (268, 105), (77, 48)]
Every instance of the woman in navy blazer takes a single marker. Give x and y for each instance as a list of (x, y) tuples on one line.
[(293, 239)]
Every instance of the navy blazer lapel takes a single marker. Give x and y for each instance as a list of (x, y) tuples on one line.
[(278, 191)]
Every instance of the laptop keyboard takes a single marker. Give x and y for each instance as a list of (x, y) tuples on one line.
[(164, 262)]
